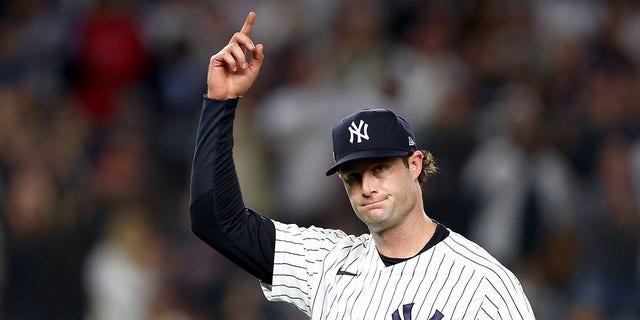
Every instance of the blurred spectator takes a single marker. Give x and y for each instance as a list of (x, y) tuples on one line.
[(171, 29), (29, 210), (607, 280), (532, 110), (448, 136), (123, 158), (38, 56), (568, 19), (425, 67), (111, 57), (635, 171), (523, 189), (121, 272), (294, 121)]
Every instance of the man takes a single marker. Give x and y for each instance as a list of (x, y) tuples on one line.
[(408, 267)]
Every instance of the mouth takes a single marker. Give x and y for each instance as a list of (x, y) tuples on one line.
[(372, 204)]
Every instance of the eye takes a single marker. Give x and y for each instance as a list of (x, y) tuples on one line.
[(352, 177), (380, 168)]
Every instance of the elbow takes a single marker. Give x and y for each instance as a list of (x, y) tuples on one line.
[(195, 228), (204, 223), (200, 231), (204, 231), (212, 225), (198, 222)]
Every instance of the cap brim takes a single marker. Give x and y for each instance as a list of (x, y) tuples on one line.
[(367, 154)]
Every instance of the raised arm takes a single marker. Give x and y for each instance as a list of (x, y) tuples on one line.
[(218, 214)]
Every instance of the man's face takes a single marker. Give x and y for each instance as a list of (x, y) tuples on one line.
[(382, 191)]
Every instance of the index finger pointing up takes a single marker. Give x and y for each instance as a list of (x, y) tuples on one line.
[(248, 23)]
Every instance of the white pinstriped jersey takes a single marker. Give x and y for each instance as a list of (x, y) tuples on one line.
[(330, 275)]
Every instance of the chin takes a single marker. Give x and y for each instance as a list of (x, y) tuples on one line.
[(375, 223), (377, 227)]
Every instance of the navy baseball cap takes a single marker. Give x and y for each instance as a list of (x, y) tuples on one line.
[(371, 133)]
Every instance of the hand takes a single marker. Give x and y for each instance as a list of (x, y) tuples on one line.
[(230, 74)]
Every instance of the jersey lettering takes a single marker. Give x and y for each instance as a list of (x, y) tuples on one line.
[(406, 312), (437, 316)]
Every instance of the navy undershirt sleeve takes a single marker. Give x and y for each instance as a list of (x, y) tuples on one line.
[(218, 214)]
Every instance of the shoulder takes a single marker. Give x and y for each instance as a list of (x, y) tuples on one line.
[(318, 237), (492, 280), (476, 257)]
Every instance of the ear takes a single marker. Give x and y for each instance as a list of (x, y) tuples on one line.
[(415, 164)]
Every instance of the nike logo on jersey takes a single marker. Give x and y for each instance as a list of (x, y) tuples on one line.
[(345, 273)]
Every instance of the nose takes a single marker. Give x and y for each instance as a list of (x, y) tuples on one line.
[(369, 184)]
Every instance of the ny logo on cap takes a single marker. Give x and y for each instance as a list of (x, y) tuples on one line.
[(360, 131)]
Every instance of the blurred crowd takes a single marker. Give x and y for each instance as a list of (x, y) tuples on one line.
[(531, 108)]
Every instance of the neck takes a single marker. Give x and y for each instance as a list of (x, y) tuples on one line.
[(407, 239)]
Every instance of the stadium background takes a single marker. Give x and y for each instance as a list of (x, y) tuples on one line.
[(532, 109)]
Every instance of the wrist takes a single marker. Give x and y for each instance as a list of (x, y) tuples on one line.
[(222, 96), (207, 97), (215, 96)]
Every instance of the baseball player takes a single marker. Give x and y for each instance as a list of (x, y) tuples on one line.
[(408, 267)]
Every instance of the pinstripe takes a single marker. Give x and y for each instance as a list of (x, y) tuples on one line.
[(424, 276), (341, 252), (413, 273), (494, 305), (288, 296), (322, 276), (351, 279), (501, 297), (443, 283), (493, 269), (395, 289), (496, 274), (290, 287), (286, 275), (379, 303), (339, 297), (288, 264), (368, 272), (485, 312), (473, 295), (431, 284), (500, 311), (308, 259), (330, 291), (379, 275), (495, 265), (347, 300), (291, 253), (463, 290), (454, 286)]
